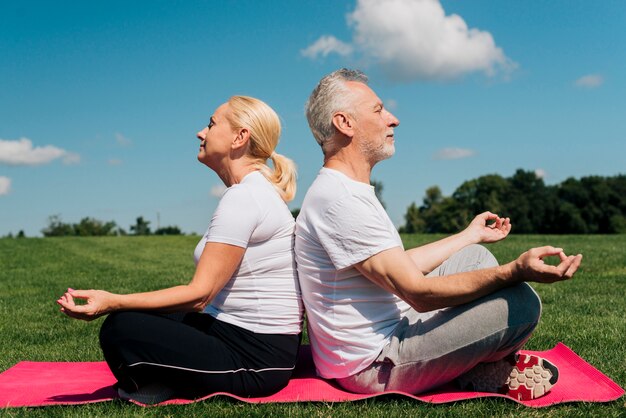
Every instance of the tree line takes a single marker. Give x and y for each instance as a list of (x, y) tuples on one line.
[(90, 227), (589, 205)]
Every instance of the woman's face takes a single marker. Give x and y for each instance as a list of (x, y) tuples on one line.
[(216, 138)]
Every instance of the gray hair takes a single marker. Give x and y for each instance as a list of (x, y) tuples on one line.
[(329, 96)]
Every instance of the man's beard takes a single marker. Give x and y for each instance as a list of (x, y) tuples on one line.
[(377, 153)]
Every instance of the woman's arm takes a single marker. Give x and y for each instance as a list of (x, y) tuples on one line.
[(217, 264), (429, 256)]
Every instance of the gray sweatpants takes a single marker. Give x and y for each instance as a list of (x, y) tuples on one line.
[(427, 350)]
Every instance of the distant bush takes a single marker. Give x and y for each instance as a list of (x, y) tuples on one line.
[(87, 227), (168, 230), (91, 227), (141, 227)]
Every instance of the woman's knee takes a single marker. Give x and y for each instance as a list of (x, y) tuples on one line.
[(117, 326)]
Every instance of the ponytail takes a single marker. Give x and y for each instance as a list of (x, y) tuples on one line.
[(283, 176), (264, 126)]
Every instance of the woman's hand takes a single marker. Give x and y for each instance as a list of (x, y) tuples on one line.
[(97, 303), (215, 268), (488, 227)]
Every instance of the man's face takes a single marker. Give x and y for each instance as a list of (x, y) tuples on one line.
[(373, 124)]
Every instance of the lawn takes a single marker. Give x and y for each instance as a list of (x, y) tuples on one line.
[(587, 313)]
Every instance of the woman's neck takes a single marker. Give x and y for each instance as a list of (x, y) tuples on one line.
[(236, 171)]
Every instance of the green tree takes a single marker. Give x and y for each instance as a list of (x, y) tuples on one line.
[(446, 216), (414, 223), (168, 230), (617, 224), (592, 204), (526, 203), (57, 228), (569, 220), (90, 227), (486, 193), (433, 197), (141, 227), (437, 214)]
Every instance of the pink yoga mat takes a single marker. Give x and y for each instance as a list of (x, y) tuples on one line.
[(41, 384)]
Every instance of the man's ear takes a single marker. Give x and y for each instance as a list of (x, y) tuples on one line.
[(241, 140), (344, 124)]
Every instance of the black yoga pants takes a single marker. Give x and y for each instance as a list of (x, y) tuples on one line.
[(195, 354)]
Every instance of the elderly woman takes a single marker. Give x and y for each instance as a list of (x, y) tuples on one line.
[(236, 326)]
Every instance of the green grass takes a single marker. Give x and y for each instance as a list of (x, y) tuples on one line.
[(587, 313)]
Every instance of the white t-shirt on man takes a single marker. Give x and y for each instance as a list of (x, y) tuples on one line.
[(350, 318), (263, 296)]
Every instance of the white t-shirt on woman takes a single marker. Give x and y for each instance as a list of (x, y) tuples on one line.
[(263, 296)]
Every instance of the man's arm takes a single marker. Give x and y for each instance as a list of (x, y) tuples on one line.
[(486, 227), (395, 271)]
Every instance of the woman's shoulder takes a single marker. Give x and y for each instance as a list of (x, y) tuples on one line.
[(254, 193)]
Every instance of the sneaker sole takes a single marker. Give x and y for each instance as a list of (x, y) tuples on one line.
[(531, 378)]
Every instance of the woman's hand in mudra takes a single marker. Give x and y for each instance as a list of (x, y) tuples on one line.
[(96, 303)]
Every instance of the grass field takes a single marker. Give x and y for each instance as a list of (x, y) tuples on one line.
[(587, 313)]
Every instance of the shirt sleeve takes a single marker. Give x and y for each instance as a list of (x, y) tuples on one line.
[(235, 219), (354, 230)]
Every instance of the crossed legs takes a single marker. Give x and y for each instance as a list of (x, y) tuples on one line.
[(428, 350)]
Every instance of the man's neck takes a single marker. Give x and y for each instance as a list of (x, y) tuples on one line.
[(355, 168)]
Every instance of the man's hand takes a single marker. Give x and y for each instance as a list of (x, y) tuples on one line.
[(98, 303), (488, 227), (530, 265)]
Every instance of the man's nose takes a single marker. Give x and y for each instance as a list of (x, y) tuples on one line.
[(392, 120)]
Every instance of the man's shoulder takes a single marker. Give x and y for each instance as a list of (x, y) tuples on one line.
[(334, 203), (331, 187), (327, 187)]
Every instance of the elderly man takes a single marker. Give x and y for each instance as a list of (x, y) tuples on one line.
[(382, 318)]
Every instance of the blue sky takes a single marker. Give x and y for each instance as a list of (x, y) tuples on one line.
[(100, 101)]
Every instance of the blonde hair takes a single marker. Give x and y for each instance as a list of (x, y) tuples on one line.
[(264, 127)]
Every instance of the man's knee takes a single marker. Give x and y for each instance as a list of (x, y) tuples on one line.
[(478, 257), (526, 304)]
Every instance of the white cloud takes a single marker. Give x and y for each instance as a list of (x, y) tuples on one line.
[(391, 104), (218, 190), (22, 152), (590, 81), (414, 39), (71, 158), (453, 153), (5, 185), (326, 45), (540, 173), (122, 140), (115, 161)]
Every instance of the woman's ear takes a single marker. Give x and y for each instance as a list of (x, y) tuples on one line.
[(344, 124), (242, 138)]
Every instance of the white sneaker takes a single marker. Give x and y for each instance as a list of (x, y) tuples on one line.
[(523, 377)]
